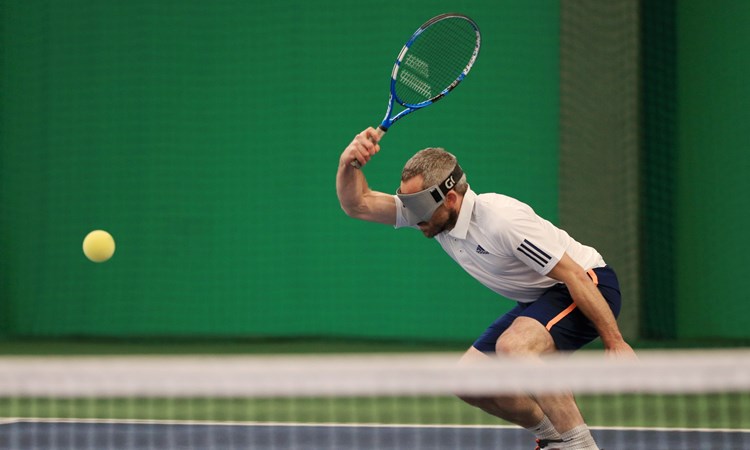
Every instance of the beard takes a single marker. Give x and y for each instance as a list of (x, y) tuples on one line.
[(447, 225)]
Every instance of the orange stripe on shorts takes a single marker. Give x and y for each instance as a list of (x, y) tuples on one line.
[(593, 277), (560, 316), (570, 308)]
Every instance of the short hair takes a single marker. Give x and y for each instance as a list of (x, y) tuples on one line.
[(434, 164)]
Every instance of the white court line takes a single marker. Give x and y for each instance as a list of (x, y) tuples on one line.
[(676, 429), (12, 420)]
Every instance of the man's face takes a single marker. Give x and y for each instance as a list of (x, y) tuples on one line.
[(443, 219)]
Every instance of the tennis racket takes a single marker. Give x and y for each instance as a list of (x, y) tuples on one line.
[(435, 59)]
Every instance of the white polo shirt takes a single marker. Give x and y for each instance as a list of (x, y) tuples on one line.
[(507, 247)]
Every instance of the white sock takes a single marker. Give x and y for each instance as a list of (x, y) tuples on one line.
[(579, 438), (544, 430)]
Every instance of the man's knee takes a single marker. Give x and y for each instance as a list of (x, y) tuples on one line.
[(525, 336)]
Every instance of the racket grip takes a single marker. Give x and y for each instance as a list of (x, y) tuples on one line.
[(380, 131)]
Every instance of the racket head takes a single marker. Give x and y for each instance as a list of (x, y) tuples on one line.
[(435, 59)]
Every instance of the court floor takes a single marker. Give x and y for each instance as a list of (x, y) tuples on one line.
[(50, 434)]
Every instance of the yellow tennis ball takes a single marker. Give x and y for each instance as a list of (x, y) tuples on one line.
[(98, 246)]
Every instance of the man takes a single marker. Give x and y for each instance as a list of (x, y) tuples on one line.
[(566, 294)]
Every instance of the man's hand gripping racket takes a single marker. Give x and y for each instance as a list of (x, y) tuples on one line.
[(434, 60)]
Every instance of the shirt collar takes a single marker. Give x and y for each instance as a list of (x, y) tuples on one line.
[(464, 216)]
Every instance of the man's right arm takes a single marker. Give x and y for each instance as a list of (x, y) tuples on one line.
[(355, 196)]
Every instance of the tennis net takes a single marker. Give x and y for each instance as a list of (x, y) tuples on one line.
[(690, 400)]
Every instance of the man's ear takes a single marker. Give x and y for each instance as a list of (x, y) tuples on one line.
[(451, 198)]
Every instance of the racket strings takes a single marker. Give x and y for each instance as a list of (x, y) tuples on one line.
[(435, 60)]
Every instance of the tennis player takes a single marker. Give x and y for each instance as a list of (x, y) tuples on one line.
[(566, 294)]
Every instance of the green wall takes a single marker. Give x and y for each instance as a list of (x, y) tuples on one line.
[(713, 169), (205, 137)]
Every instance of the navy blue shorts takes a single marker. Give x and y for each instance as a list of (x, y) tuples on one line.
[(569, 327)]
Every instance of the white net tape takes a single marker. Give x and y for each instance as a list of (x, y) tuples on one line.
[(375, 374)]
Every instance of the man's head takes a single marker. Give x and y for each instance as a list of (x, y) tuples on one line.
[(432, 188)]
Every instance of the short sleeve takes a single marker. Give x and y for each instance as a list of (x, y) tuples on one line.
[(531, 239)]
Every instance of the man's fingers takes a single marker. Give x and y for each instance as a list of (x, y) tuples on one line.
[(373, 135), (363, 147)]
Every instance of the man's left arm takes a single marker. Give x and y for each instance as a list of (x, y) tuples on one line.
[(591, 302)]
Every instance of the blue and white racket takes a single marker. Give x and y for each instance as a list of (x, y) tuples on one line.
[(435, 59)]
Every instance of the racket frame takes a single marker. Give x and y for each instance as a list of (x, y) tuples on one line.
[(409, 108)]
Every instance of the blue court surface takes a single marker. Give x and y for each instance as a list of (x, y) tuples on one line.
[(29, 434)]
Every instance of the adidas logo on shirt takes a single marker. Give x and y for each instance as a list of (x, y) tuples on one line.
[(482, 251)]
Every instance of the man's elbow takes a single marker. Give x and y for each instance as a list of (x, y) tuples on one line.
[(568, 271), (347, 210), (353, 211)]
